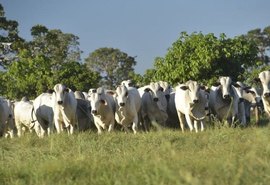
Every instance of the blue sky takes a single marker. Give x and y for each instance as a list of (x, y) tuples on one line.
[(142, 28)]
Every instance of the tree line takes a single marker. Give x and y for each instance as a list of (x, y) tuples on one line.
[(51, 56)]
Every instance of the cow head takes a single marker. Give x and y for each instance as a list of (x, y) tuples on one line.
[(97, 99), (60, 91), (193, 90), (166, 88), (121, 95), (265, 80)]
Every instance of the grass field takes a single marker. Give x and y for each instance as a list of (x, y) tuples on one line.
[(216, 156)]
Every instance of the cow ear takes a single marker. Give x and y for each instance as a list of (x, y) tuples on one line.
[(50, 91), (161, 89), (103, 102), (216, 84), (236, 85), (247, 88), (256, 80), (184, 87), (147, 89), (250, 91), (110, 92), (202, 87)]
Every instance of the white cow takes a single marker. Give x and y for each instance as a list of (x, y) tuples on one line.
[(43, 110), (225, 100), (25, 117), (252, 100), (154, 105), (190, 103), (264, 77), (102, 109), (128, 106), (64, 108), (7, 126)]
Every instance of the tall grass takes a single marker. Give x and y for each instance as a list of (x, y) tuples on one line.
[(216, 156)]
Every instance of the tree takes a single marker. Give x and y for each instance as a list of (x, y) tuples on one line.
[(113, 65), (54, 44), (77, 76), (204, 58), (10, 42)]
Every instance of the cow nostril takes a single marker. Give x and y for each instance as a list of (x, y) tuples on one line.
[(60, 102), (122, 104), (195, 101), (226, 96), (155, 99), (94, 111)]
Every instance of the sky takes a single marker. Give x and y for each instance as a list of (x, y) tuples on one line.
[(144, 29)]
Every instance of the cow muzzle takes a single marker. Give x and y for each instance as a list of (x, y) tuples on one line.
[(195, 101), (226, 96), (122, 104), (155, 99), (60, 102), (94, 112)]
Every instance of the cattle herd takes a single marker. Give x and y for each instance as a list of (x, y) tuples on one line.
[(127, 108)]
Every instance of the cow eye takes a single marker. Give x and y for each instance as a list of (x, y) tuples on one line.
[(126, 94), (161, 89)]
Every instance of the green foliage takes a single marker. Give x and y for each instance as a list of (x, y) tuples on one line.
[(113, 65), (9, 34), (221, 156), (30, 76), (204, 58), (77, 76)]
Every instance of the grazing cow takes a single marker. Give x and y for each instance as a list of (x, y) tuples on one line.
[(225, 100), (7, 126), (43, 110), (64, 108), (128, 105), (154, 105), (190, 103), (102, 109), (264, 77), (24, 116)]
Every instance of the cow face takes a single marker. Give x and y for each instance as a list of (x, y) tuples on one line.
[(97, 99), (193, 90), (167, 89), (238, 92), (121, 95), (225, 85), (60, 90), (265, 80), (156, 90)]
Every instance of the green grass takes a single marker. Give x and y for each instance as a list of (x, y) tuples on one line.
[(216, 156)]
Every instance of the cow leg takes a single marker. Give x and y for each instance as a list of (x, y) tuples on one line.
[(202, 125), (135, 124), (98, 126), (111, 126), (181, 120), (19, 129), (189, 122), (58, 126), (196, 126)]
